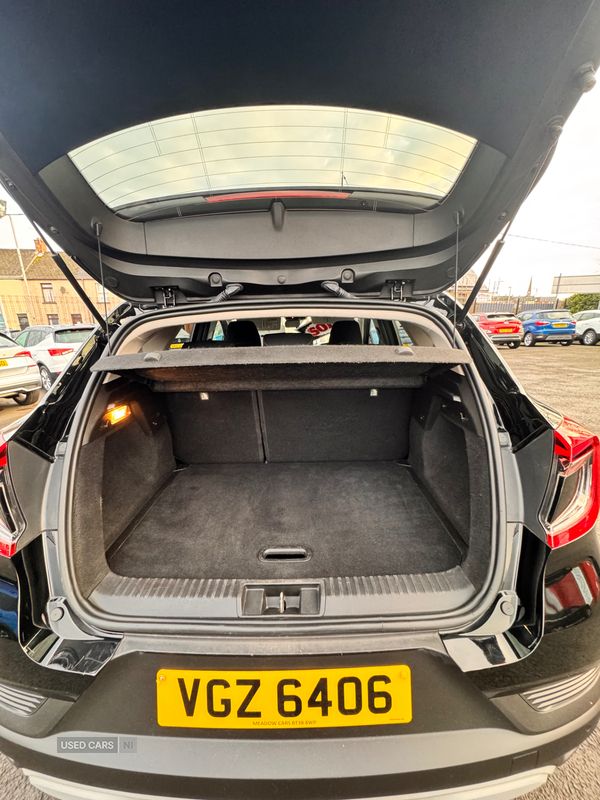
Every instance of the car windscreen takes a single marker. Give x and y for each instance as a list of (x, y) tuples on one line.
[(72, 336), (555, 315)]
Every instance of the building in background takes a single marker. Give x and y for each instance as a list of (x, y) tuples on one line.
[(44, 296), (465, 286)]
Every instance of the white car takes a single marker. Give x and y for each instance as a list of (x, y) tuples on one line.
[(53, 347), (19, 374), (587, 329)]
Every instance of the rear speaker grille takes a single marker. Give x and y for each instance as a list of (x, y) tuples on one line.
[(554, 695), (20, 701)]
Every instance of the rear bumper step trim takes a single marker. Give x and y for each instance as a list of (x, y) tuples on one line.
[(192, 598)]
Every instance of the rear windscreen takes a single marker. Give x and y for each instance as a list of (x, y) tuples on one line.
[(555, 315), (68, 337), (5, 341), (273, 147)]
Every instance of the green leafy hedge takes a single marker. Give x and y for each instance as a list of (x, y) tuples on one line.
[(582, 302)]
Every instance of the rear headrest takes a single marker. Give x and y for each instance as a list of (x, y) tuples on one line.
[(243, 333), (345, 331), (286, 338)]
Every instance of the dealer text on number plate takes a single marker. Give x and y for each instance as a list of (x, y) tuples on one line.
[(301, 698)]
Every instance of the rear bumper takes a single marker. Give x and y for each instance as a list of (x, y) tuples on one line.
[(503, 789), (505, 338), (458, 738), (554, 337), (425, 767), (21, 384)]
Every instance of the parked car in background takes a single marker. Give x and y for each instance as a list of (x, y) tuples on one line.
[(548, 326), (587, 327), (19, 374), (501, 327), (52, 347)]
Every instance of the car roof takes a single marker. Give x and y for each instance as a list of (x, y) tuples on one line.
[(74, 326)]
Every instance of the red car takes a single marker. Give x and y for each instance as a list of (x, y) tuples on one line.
[(501, 327)]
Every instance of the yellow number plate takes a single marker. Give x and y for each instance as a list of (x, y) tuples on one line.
[(300, 698), (559, 325), (3, 362), (505, 330)]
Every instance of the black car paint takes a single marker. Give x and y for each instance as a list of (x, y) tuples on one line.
[(567, 648), (121, 702)]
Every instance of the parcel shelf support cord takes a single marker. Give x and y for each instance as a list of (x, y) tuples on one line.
[(98, 231)]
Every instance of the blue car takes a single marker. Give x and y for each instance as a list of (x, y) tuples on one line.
[(547, 326)]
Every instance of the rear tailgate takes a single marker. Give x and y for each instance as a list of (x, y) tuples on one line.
[(505, 326), (12, 363)]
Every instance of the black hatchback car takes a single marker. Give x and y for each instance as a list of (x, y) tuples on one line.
[(322, 545)]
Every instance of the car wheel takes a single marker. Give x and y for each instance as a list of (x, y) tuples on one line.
[(46, 378), (28, 398), (513, 345), (529, 341), (589, 337), (566, 344)]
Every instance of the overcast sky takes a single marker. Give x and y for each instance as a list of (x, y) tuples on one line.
[(564, 207)]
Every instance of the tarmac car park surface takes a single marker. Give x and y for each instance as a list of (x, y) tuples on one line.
[(567, 379)]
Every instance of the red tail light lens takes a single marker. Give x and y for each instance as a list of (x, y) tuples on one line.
[(59, 351), (2, 451), (22, 354), (572, 506), (541, 322), (12, 523)]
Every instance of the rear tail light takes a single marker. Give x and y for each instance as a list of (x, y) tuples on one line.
[(12, 523), (22, 354), (60, 351), (572, 505), (541, 322)]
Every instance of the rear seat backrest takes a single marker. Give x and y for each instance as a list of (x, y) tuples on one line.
[(289, 425), (215, 427), (336, 424)]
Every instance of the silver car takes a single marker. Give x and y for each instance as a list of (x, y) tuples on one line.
[(19, 374)]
